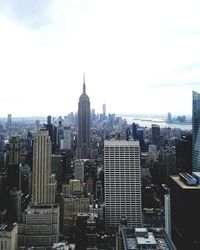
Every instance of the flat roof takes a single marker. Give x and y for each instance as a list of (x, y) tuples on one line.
[(157, 239), (120, 143), (182, 184), (141, 229), (147, 241)]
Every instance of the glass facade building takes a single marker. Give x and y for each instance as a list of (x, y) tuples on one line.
[(196, 132)]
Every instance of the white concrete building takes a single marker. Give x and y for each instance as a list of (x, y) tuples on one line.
[(122, 178)]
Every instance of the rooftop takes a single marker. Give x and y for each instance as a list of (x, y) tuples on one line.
[(143, 238), (182, 184)]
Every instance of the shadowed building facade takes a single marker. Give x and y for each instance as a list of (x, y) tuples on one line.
[(185, 216)]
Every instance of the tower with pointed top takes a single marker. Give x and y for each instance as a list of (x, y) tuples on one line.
[(84, 124)]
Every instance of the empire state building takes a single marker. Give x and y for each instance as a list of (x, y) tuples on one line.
[(84, 125)]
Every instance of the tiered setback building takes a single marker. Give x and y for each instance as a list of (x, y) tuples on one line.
[(122, 183), (84, 125), (44, 183)]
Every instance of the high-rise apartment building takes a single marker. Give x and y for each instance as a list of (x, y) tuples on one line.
[(196, 132), (44, 183), (122, 183), (84, 125)]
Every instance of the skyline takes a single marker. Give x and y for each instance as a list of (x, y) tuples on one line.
[(138, 56)]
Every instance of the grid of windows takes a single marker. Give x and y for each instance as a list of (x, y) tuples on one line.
[(122, 182), (196, 132)]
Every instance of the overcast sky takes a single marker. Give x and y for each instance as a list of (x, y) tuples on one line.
[(138, 56)]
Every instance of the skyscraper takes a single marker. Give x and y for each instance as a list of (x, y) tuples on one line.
[(122, 183), (67, 138), (79, 170), (104, 111), (9, 123), (84, 124), (15, 152), (184, 153), (155, 134), (44, 184), (196, 132)]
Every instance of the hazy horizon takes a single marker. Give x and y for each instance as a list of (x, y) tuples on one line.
[(117, 115)]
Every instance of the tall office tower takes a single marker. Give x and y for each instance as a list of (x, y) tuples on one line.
[(9, 123), (14, 166), (44, 184), (14, 207), (134, 131), (84, 125), (167, 214), (2, 143), (196, 132), (104, 111), (67, 138), (49, 120), (58, 169), (185, 216), (155, 134), (184, 153), (169, 117), (79, 170), (122, 181), (93, 115), (166, 165), (15, 152)]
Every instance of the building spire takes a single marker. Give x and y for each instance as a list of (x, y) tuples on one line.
[(84, 89)]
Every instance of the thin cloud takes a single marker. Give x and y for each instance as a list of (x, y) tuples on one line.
[(31, 13), (175, 85), (190, 67)]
